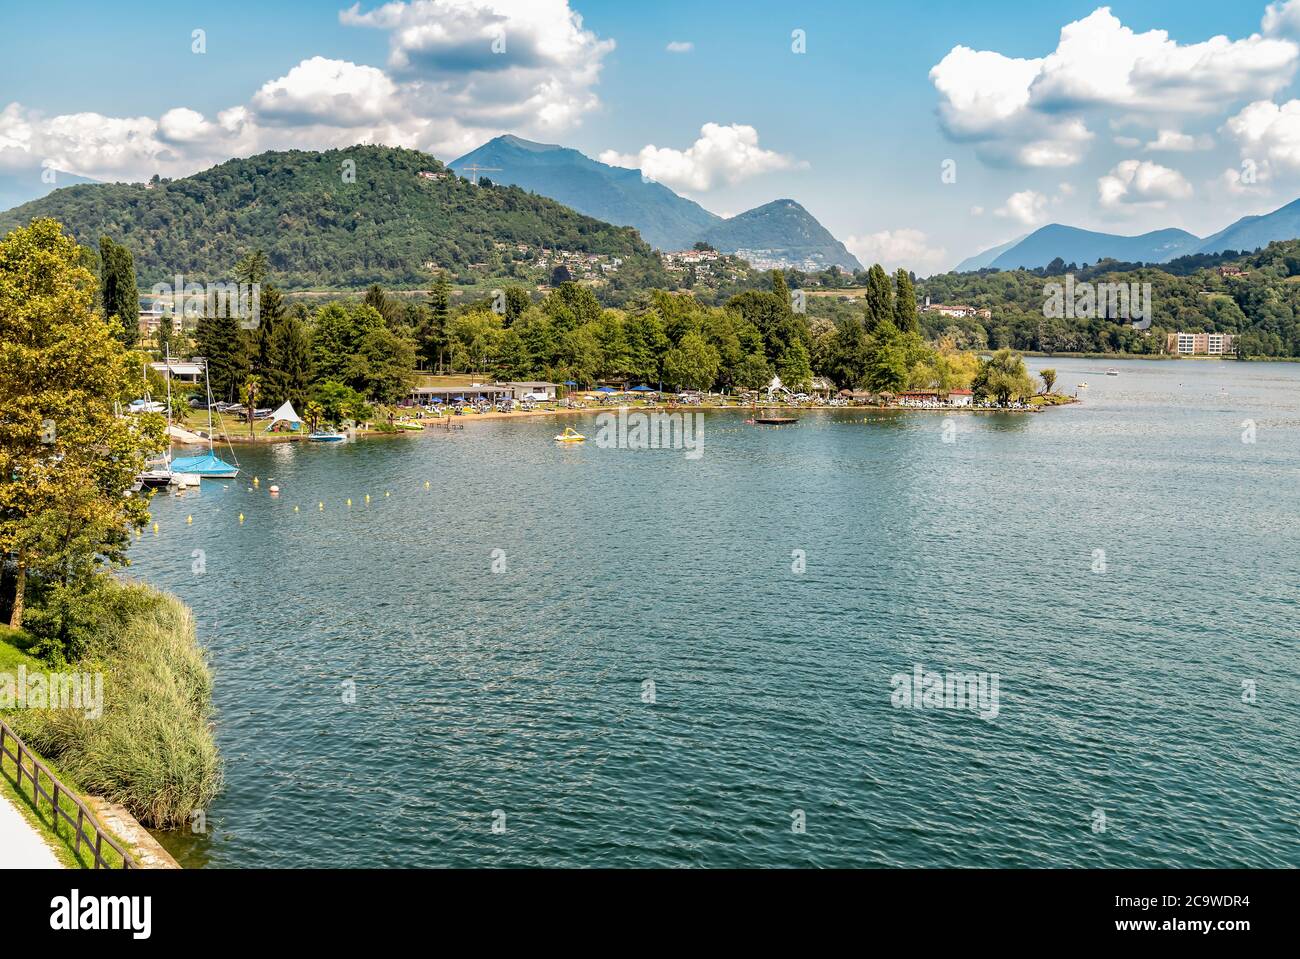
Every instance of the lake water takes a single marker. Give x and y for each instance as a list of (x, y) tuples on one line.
[(1128, 569)]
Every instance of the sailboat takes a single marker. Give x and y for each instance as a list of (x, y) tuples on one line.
[(207, 465), (158, 469)]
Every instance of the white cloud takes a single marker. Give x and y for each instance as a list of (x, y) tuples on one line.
[(459, 73), (1141, 182), (894, 249), (1066, 188), (1029, 111), (680, 46), (1172, 141), (1028, 207), (1282, 19), (1268, 134), (1244, 182), (327, 91), (977, 211), (721, 155), (1128, 143)]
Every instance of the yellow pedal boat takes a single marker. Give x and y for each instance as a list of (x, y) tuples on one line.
[(570, 435)]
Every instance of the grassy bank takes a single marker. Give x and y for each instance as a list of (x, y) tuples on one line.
[(152, 750), (59, 835)]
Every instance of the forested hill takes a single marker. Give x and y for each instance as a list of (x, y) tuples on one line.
[(388, 225), (1255, 296)]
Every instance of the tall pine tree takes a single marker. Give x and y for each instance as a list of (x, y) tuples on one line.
[(905, 317), (117, 286), (879, 298)]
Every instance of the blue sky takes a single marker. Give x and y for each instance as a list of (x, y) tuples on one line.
[(1120, 129)]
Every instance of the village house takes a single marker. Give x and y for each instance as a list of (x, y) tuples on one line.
[(957, 311)]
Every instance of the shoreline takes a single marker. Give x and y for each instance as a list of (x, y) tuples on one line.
[(452, 422)]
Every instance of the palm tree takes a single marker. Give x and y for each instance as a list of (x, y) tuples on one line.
[(251, 386), (314, 412)]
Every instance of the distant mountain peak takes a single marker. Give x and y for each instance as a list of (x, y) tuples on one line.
[(781, 230), (516, 141)]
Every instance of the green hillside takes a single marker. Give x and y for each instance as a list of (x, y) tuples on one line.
[(389, 226), (1261, 305)]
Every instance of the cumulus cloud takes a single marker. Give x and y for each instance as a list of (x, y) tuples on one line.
[(1172, 141), (1282, 19), (680, 46), (333, 91), (1028, 207), (894, 249), (1141, 182), (458, 73), (721, 155), (1029, 111), (1268, 134)]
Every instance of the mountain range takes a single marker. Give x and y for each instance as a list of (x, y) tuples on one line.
[(781, 232), (338, 218), (1074, 245)]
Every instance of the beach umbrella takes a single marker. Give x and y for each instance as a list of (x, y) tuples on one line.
[(642, 389), (606, 389), (570, 383)]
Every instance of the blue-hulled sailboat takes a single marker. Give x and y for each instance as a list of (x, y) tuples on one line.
[(207, 465)]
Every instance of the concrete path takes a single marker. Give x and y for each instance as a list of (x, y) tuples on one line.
[(21, 846)]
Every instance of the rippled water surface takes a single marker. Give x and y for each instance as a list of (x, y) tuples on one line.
[(521, 692)]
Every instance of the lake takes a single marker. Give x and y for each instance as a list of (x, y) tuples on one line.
[(576, 656)]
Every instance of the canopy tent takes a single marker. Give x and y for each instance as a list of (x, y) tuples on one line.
[(285, 414)]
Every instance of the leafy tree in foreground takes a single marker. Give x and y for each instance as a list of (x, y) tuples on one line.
[(65, 456)]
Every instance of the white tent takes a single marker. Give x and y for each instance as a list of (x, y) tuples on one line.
[(284, 414)]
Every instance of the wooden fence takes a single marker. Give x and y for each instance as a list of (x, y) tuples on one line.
[(96, 838)]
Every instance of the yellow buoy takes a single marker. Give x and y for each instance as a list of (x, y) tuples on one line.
[(189, 520), (295, 509), (349, 501), (322, 507), (387, 494), (155, 529), (255, 481), (367, 497), (426, 484), (241, 517)]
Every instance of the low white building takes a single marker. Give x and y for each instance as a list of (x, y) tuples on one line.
[(519, 390), (961, 398)]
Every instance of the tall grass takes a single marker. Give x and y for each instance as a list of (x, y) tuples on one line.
[(152, 750)]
